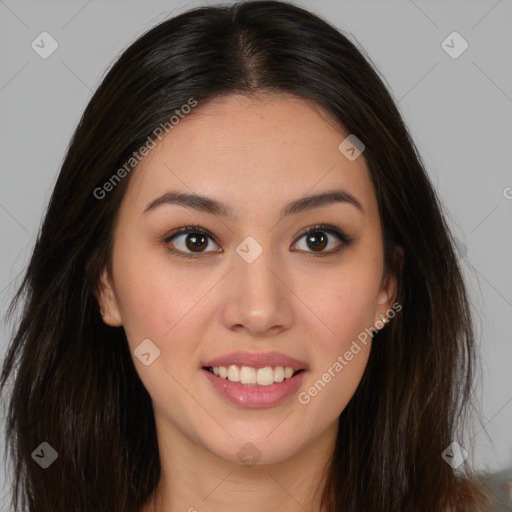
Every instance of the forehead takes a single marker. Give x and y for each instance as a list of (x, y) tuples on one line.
[(248, 151)]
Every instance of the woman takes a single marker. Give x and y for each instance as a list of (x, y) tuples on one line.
[(244, 292)]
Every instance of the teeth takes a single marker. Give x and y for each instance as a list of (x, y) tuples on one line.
[(248, 375), (288, 372), (233, 373), (279, 374), (265, 376)]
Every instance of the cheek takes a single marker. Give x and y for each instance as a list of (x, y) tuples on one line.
[(153, 297), (347, 307), (169, 306), (343, 303), (154, 306), (339, 381), (333, 382)]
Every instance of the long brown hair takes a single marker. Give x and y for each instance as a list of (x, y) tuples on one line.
[(75, 382)]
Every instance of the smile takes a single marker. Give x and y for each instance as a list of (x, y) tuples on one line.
[(250, 376), (272, 386)]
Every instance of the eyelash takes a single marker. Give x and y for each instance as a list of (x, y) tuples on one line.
[(345, 239)]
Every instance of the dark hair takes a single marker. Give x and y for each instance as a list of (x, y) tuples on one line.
[(418, 383)]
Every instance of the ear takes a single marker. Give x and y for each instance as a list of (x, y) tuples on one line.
[(108, 303), (389, 289)]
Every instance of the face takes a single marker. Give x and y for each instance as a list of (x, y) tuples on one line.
[(253, 286)]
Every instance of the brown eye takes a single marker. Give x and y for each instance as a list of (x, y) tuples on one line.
[(189, 241), (318, 238), (193, 241), (196, 242)]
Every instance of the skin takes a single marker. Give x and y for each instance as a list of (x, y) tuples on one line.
[(254, 154)]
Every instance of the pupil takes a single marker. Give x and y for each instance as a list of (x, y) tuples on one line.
[(317, 239), (197, 241)]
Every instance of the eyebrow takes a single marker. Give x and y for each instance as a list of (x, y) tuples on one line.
[(214, 207)]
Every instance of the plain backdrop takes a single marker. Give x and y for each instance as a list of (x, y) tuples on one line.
[(458, 109)]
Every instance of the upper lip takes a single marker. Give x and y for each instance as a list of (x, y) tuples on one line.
[(257, 360)]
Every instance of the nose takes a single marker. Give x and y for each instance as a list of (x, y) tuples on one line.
[(257, 296)]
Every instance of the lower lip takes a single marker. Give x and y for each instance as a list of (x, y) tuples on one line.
[(248, 395)]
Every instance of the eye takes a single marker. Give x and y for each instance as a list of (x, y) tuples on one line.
[(317, 237), (193, 238), (196, 240)]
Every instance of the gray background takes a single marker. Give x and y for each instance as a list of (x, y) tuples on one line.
[(459, 112)]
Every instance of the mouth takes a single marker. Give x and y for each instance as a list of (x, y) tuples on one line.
[(251, 376), (255, 379)]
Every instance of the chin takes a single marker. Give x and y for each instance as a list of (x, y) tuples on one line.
[(250, 451)]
